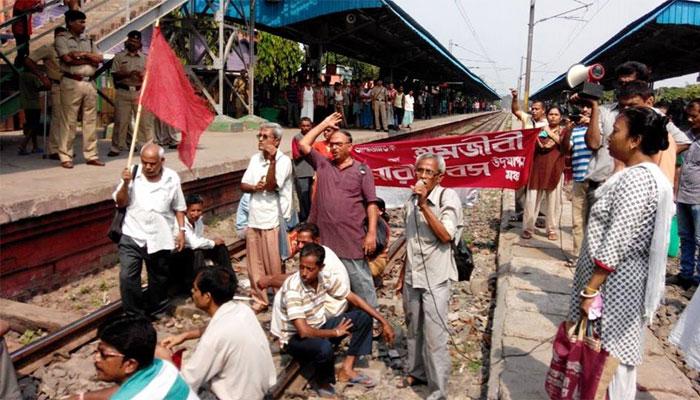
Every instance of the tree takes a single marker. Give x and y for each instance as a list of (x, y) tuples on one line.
[(360, 70), (683, 93), (277, 59)]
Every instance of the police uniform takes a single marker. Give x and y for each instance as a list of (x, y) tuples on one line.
[(47, 54), (126, 102), (77, 91)]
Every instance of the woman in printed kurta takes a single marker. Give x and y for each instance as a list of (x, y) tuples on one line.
[(619, 254)]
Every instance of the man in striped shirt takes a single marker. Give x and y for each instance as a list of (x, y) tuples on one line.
[(125, 356), (580, 158), (308, 336)]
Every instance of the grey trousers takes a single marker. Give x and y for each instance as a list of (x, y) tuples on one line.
[(361, 282), (426, 337), (9, 389)]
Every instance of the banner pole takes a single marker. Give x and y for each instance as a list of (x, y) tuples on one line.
[(139, 110)]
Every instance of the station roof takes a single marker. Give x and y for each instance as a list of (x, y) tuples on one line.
[(666, 39), (374, 31)]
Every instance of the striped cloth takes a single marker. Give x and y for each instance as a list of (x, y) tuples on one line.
[(580, 154), (159, 381)]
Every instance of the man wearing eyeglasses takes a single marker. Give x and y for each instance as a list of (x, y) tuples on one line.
[(268, 179), (432, 219), (345, 197), (125, 355)]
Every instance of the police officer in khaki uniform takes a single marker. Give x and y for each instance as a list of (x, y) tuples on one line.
[(128, 68), (51, 78), (79, 60)]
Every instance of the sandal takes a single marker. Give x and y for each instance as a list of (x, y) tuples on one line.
[(552, 236), (359, 379), (526, 235)]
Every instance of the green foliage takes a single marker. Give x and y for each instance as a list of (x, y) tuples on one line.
[(360, 70), (672, 93), (278, 59), (30, 335)]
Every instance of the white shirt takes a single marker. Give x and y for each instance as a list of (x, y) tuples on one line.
[(233, 355), (264, 208), (150, 215), (408, 101), (194, 235)]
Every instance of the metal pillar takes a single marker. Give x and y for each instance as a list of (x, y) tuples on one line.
[(528, 65), (251, 59)]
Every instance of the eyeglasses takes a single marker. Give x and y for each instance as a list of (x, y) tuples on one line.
[(103, 355), (264, 137), (426, 172), (337, 144)]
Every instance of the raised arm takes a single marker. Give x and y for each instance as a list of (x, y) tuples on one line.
[(308, 140), (593, 136)]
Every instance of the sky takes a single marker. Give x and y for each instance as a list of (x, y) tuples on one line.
[(490, 36)]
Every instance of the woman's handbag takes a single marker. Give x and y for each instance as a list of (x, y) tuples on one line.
[(580, 368), (115, 229)]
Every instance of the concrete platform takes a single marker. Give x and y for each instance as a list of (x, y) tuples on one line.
[(532, 298), (53, 221)]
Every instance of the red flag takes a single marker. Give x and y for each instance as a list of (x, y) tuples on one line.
[(169, 95)]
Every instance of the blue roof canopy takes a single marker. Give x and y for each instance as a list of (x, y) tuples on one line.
[(374, 31), (666, 39)]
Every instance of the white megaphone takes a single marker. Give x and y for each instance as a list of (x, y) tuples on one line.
[(584, 80)]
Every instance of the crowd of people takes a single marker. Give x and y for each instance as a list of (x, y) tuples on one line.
[(369, 104), (629, 165)]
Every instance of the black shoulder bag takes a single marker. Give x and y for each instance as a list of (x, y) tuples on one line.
[(382, 226), (462, 255), (115, 229)]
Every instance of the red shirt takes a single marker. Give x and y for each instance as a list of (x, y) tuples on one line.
[(23, 25)]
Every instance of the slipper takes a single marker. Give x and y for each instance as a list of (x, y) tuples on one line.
[(526, 235), (362, 380), (325, 393)]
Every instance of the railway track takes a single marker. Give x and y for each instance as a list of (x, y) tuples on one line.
[(74, 335)]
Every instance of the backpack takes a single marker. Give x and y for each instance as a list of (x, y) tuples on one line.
[(461, 254)]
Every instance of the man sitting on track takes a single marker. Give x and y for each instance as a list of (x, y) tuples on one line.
[(125, 356), (233, 353), (308, 336)]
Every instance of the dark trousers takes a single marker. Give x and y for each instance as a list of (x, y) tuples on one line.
[(319, 351), (293, 114), (131, 258), (22, 45), (303, 187), (398, 115), (185, 265)]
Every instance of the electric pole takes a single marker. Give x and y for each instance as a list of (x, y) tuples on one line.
[(528, 64)]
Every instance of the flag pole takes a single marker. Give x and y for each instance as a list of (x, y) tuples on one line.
[(139, 110)]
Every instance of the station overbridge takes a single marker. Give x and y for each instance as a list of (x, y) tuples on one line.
[(666, 39)]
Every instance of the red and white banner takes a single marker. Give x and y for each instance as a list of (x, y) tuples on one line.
[(478, 160)]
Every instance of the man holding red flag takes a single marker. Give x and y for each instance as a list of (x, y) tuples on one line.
[(168, 94)]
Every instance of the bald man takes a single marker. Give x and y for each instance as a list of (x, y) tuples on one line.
[(155, 208)]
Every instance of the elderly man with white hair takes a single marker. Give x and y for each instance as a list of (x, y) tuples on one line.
[(432, 218), (153, 227), (268, 179)]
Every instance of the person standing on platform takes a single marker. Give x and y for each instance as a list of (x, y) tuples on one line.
[(233, 355), (268, 179), (345, 197), (79, 61), (366, 98), (688, 204), (319, 103), (340, 99), (51, 78), (432, 223), (303, 171), (293, 100), (408, 103), (580, 158), (164, 134), (307, 101), (155, 209), (30, 88), (379, 96), (22, 27), (545, 182), (240, 92), (128, 69), (127, 72), (390, 95), (398, 107)]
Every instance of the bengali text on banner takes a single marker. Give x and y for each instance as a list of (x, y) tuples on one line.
[(478, 160)]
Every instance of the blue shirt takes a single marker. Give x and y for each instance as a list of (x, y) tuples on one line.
[(580, 153)]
